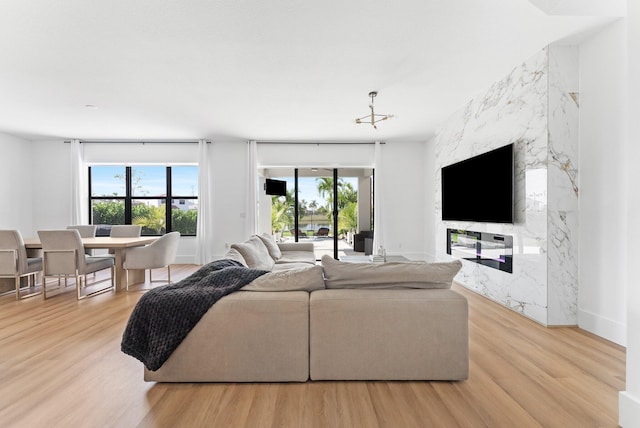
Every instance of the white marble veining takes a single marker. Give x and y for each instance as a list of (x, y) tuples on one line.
[(518, 109), (563, 185)]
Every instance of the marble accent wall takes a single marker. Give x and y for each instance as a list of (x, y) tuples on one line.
[(518, 109), (563, 186)]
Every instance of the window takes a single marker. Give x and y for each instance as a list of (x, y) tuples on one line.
[(161, 199)]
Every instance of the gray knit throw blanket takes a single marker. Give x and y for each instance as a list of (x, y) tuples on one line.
[(165, 315)]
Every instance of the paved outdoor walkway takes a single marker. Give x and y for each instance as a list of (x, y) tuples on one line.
[(324, 245)]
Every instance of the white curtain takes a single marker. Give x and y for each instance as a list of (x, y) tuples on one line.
[(204, 227), (251, 209), (378, 200), (79, 189)]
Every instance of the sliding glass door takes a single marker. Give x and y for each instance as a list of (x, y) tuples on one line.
[(324, 206)]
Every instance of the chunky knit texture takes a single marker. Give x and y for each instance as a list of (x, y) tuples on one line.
[(164, 316)]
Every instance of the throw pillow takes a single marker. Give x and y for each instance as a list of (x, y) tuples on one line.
[(234, 254), (302, 279), (272, 247), (255, 254), (389, 275)]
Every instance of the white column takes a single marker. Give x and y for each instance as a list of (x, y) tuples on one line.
[(629, 400)]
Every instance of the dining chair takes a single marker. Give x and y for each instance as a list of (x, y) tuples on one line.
[(63, 255), (158, 254), (125, 230), (14, 262), (86, 231)]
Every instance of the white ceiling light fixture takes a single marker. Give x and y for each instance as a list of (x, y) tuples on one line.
[(373, 118)]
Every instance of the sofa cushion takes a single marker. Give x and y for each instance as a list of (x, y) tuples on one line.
[(389, 275), (279, 267), (296, 246), (234, 254), (297, 257), (272, 247), (308, 278), (255, 253)]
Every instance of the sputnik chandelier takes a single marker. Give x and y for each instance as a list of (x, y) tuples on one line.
[(373, 118)]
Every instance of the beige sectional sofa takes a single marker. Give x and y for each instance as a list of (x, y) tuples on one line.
[(335, 321)]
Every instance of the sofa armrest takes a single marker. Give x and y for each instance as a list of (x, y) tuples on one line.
[(296, 246)]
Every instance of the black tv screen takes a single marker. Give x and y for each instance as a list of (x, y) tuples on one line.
[(480, 188), (275, 187)]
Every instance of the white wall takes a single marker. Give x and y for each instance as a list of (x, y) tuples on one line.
[(315, 155), (229, 170), (51, 185), (16, 178), (430, 200), (603, 183), (630, 399), (404, 199)]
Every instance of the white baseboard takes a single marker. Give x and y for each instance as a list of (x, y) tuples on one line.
[(603, 327), (629, 410)]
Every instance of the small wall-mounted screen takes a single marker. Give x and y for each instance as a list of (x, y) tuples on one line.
[(275, 187)]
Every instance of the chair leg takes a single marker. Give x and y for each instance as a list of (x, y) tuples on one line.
[(169, 274), (31, 283), (79, 284), (111, 287)]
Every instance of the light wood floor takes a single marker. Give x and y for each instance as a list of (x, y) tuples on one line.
[(61, 366)]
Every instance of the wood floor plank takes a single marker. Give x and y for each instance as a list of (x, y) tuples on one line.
[(61, 365)]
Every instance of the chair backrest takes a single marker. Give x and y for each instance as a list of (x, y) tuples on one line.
[(166, 248), (13, 255), (125, 230), (63, 251), (85, 230), (323, 231)]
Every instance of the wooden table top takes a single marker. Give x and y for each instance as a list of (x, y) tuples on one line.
[(101, 242)]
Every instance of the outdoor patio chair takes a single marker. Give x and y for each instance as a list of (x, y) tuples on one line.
[(323, 231)]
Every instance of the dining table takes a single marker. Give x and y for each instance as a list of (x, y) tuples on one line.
[(119, 247)]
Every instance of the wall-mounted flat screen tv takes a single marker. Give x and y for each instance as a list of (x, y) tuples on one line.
[(481, 188), (275, 187)]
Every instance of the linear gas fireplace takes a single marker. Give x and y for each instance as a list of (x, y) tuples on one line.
[(489, 249)]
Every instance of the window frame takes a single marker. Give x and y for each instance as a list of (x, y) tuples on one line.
[(129, 198)]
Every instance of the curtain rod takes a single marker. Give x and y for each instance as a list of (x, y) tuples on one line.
[(137, 142), (311, 143)]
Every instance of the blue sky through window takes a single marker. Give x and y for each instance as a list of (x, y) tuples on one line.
[(184, 180), (104, 181), (108, 180)]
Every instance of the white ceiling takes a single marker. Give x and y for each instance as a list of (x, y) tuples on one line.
[(256, 69)]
